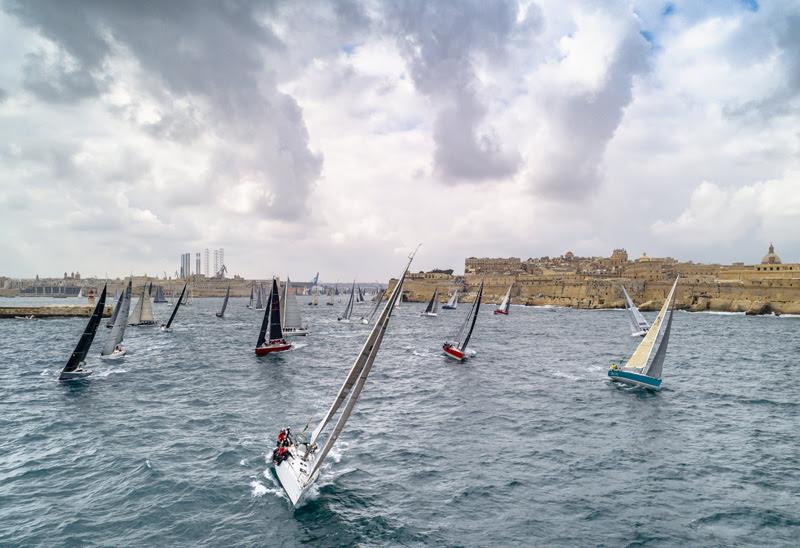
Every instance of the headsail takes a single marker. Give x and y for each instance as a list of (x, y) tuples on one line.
[(433, 304), (358, 375), (116, 310), (118, 331), (452, 303), (221, 313), (657, 335), (463, 338), (85, 342), (262, 334), (147, 309)]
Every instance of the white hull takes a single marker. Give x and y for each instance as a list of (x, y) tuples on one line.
[(365, 321), (639, 334), (115, 355), (293, 474), (344, 320), (74, 375), (295, 331), (166, 329), (429, 314)]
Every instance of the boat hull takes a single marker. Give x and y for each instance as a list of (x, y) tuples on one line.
[(502, 312), (218, 315), (453, 352), (115, 355), (293, 475), (272, 347), (448, 307), (295, 331), (74, 375), (343, 320), (429, 314), (634, 379)]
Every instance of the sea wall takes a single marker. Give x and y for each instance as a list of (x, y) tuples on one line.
[(66, 311), (577, 292)]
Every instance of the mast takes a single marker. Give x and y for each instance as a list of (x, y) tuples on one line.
[(462, 346), (177, 306), (358, 373), (118, 331), (85, 342)]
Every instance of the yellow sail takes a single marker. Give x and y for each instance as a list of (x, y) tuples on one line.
[(641, 355)]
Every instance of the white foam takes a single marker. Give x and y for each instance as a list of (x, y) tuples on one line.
[(258, 489), (243, 462)]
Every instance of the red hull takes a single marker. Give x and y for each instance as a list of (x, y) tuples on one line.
[(501, 312), (278, 346), (453, 353)]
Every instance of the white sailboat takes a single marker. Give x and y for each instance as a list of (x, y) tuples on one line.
[(433, 305), (639, 325), (452, 303), (297, 462), (505, 303), (113, 349), (143, 312), (291, 321), (644, 367), (456, 346), (348, 310), (252, 296)]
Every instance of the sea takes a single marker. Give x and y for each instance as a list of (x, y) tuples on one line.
[(524, 444)]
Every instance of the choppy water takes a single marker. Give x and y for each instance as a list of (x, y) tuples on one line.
[(526, 444)]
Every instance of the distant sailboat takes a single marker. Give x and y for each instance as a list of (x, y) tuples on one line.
[(348, 310), (113, 349), (456, 346), (644, 367), (314, 296), (143, 313), (639, 325), (330, 302), (452, 303), (433, 305), (505, 303), (114, 314), (221, 313), (259, 295), (168, 326), (367, 319), (271, 326), (252, 296), (297, 463), (291, 322), (159, 295), (74, 369)]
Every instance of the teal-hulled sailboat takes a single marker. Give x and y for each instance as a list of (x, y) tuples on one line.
[(644, 367)]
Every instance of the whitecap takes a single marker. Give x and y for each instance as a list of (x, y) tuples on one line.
[(258, 489)]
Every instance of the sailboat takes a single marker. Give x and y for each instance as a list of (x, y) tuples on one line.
[(505, 303), (259, 295), (297, 463), (367, 319), (159, 295), (456, 346), (74, 368), (271, 325), (314, 296), (348, 310), (168, 326), (113, 349), (644, 367), (452, 303), (114, 314), (252, 295), (329, 302), (639, 325), (433, 305), (291, 321), (221, 313), (143, 313)]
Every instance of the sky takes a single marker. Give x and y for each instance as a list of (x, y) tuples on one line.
[(335, 136)]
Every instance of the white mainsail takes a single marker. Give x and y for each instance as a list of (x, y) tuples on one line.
[(147, 310), (118, 331), (638, 322), (290, 310), (453, 302), (505, 303), (657, 338)]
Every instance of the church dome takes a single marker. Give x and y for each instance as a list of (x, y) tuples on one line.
[(771, 257)]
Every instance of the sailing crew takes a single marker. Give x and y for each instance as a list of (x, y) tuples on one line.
[(281, 437)]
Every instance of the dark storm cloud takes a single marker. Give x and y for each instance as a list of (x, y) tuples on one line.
[(586, 122), (440, 42), (210, 50)]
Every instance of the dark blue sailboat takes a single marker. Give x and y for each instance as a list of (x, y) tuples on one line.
[(74, 368)]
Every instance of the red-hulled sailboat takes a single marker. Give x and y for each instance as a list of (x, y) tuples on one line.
[(272, 325), (456, 347)]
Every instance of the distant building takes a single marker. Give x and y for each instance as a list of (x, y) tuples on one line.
[(205, 259), (219, 261), (186, 265), (197, 263)]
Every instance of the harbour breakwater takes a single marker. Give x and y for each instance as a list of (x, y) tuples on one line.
[(57, 311), (755, 298)]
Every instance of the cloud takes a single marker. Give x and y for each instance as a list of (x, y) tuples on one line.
[(441, 42)]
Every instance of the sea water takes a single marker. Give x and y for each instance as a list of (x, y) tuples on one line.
[(526, 443)]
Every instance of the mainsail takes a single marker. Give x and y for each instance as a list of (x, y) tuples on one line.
[(506, 302), (638, 322), (462, 336), (85, 342), (252, 296), (114, 314), (348, 311), (657, 336), (452, 304), (159, 295), (118, 331), (357, 376), (275, 330), (177, 306), (221, 313), (259, 293), (290, 312), (143, 312)]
